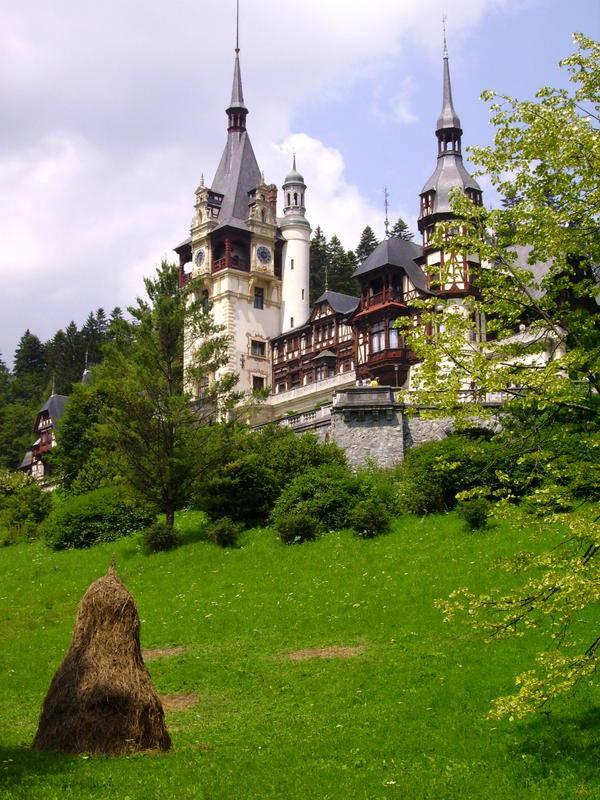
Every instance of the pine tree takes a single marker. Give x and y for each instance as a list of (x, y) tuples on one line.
[(319, 257), (148, 419), (368, 243), (400, 230), (342, 265)]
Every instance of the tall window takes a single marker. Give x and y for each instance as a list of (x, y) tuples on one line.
[(395, 339), (378, 337), (257, 348), (259, 297)]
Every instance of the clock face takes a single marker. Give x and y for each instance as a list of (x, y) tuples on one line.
[(264, 254), (200, 256)]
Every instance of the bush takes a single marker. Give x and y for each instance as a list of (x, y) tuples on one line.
[(474, 512), (99, 516), (23, 505), (315, 502), (225, 532), (432, 474), (250, 469), (297, 526), (160, 537), (370, 518)]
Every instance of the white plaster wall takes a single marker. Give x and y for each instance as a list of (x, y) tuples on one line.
[(296, 280)]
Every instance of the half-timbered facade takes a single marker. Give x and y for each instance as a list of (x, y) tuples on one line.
[(391, 279), (321, 348), (450, 274), (35, 462)]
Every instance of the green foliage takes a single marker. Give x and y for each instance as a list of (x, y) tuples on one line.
[(147, 416), (331, 266), (315, 502), (401, 230), (369, 517), (433, 473), (249, 469), (376, 504), (23, 506), (474, 512), (225, 532), (545, 159), (99, 516), (159, 538), (368, 242)]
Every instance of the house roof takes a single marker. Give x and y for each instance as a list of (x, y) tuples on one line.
[(396, 252), (236, 175), (340, 303), (55, 406)]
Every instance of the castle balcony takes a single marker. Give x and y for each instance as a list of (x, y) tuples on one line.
[(235, 262)]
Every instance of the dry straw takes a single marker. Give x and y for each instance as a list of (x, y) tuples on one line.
[(102, 699)]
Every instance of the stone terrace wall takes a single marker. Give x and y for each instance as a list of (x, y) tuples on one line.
[(368, 423)]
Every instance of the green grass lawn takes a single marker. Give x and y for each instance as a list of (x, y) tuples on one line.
[(401, 715)]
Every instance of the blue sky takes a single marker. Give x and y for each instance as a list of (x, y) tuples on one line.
[(113, 111)]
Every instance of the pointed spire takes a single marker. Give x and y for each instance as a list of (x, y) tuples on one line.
[(237, 111), (448, 117)]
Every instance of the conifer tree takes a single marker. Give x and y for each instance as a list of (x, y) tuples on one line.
[(400, 230), (319, 257), (341, 267), (368, 242)]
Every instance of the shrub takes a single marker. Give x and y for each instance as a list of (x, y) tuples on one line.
[(243, 489), (23, 505), (474, 512), (432, 474), (314, 502), (225, 532), (99, 516), (370, 517), (297, 526), (160, 537), (249, 470)]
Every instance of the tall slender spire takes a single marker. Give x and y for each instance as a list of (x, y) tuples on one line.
[(237, 110), (448, 117)]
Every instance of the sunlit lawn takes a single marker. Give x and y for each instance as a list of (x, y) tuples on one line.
[(398, 714)]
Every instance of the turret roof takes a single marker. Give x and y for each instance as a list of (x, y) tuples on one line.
[(396, 252)]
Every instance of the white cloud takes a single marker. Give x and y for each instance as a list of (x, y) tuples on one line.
[(115, 113)]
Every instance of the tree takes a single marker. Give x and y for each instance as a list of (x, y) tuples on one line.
[(342, 264), (148, 417), (319, 259), (542, 352), (368, 242), (401, 231)]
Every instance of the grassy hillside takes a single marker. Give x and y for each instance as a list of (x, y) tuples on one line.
[(397, 711)]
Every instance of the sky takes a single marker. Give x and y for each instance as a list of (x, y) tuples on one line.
[(112, 112)]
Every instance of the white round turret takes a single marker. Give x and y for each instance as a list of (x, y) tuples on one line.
[(296, 231)]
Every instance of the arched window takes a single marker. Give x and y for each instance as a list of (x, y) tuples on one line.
[(295, 198), (289, 202)]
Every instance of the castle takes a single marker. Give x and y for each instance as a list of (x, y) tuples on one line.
[(253, 267)]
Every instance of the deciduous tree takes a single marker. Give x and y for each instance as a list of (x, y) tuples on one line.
[(542, 351)]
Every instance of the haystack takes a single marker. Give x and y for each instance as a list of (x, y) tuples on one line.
[(102, 699)]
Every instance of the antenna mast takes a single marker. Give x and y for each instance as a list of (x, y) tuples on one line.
[(386, 196), (444, 29)]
